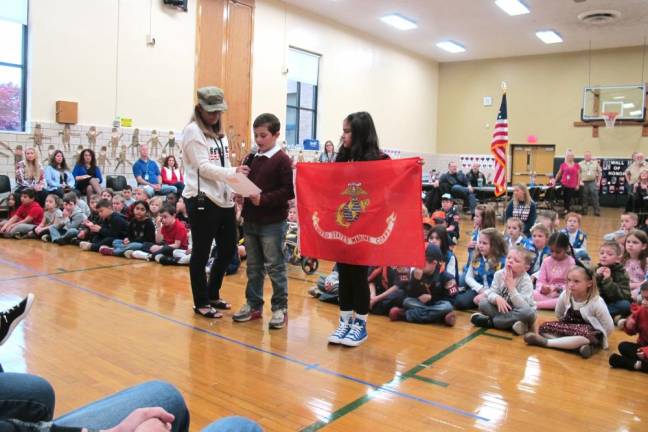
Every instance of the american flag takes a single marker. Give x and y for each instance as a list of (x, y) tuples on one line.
[(498, 148)]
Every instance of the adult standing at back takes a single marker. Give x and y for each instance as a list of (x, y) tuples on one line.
[(632, 175), (329, 153), (569, 177), (209, 200), (147, 175), (590, 179)]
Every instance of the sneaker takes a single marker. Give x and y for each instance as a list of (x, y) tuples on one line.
[(520, 328), (246, 313), (184, 260), (46, 238), (279, 319), (165, 260), (397, 314), (481, 320), (84, 245), (586, 351), (106, 250), (141, 255), (340, 333), (535, 339), (621, 323), (60, 241), (450, 319), (357, 334), (619, 362), (18, 236), (129, 254), (617, 319), (314, 291), (10, 318)]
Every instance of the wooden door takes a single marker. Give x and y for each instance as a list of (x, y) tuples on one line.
[(521, 162), (528, 160), (543, 159)]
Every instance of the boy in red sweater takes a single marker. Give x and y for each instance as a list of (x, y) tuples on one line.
[(634, 356), (264, 223), (28, 216)]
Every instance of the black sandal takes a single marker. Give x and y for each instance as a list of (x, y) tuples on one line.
[(211, 313), (220, 304)]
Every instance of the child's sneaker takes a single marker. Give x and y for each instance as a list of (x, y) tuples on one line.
[(620, 362), (535, 339), (620, 323), (357, 334), (84, 245), (340, 333), (246, 313), (520, 328), (314, 291), (46, 238), (279, 319), (184, 260), (10, 318), (450, 319), (18, 236), (481, 320), (165, 260), (106, 250), (142, 255), (129, 254), (587, 351), (617, 319), (396, 314)]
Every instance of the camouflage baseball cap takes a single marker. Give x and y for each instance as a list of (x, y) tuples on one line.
[(211, 99)]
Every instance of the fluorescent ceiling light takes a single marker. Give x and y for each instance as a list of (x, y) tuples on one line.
[(512, 7), (618, 97), (628, 105), (451, 47), (549, 36), (635, 113), (399, 21)]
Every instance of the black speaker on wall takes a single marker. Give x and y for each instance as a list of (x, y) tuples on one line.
[(180, 4)]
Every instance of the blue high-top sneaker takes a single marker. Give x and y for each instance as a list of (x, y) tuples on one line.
[(342, 330), (357, 334)]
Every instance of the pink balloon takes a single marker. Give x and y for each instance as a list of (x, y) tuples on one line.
[(532, 139)]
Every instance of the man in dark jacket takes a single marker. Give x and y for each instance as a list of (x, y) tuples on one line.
[(456, 183)]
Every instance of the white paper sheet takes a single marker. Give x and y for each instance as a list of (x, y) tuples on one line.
[(242, 185)]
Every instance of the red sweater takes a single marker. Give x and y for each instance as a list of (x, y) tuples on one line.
[(640, 316), (274, 177)]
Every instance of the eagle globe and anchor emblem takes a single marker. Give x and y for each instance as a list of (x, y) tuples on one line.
[(351, 211)]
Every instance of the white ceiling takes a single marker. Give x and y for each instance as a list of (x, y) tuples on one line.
[(484, 29)]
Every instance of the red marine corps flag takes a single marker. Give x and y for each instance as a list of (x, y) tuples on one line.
[(363, 213)]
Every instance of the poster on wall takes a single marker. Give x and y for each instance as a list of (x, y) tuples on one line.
[(486, 163), (613, 179), (392, 153)]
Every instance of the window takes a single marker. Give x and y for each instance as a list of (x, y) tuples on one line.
[(301, 100), (13, 64)]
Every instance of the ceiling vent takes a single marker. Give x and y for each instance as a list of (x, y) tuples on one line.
[(599, 17)]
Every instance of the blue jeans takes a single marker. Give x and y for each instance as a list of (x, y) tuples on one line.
[(56, 234), (619, 307), (26, 397), (164, 190), (109, 412), (233, 424), (464, 299), (264, 247), (119, 247), (418, 312), (463, 193)]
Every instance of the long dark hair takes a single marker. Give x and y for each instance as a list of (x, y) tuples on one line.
[(166, 162), (52, 161), (364, 139), (442, 233), (209, 131), (93, 161)]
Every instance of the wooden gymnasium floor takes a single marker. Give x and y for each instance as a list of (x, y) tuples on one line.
[(100, 324)]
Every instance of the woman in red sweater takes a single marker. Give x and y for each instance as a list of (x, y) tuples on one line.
[(171, 174)]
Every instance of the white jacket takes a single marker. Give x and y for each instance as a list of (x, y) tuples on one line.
[(198, 151), (594, 312)]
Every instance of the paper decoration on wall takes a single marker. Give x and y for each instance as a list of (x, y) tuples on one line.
[(102, 158), (532, 139), (115, 138), (50, 152), (92, 135), (38, 137), (66, 134), (3, 154), (121, 160), (135, 144), (154, 142), (170, 145), (486, 162)]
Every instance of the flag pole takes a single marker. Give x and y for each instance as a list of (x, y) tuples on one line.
[(506, 183)]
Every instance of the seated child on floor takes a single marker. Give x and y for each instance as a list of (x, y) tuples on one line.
[(629, 221), (577, 238), (28, 215), (451, 215), (549, 219), (553, 272), (489, 258), (538, 248), (127, 193), (119, 206), (52, 217), (13, 202), (439, 236), (384, 292), (584, 322), (612, 280), (515, 232), (113, 226), (326, 289), (91, 226), (429, 293), (171, 235), (634, 260), (508, 303), (634, 356), (74, 217), (141, 233)]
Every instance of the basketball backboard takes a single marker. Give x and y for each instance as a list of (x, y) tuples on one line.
[(628, 101)]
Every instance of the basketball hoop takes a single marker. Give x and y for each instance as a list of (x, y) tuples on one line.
[(610, 118)]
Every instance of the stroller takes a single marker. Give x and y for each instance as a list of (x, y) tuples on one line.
[(292, 253)]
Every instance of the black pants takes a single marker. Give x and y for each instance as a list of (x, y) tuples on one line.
[(629, 350), (568, 194), (212, 223), (353, 290)]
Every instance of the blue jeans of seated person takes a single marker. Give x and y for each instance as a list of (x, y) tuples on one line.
[(264, 247), (418, 312), (505, 321), (26, 397), (619, 307), (57, 233), (164, 190), (463, 193), (464, 299), (119, 247)]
